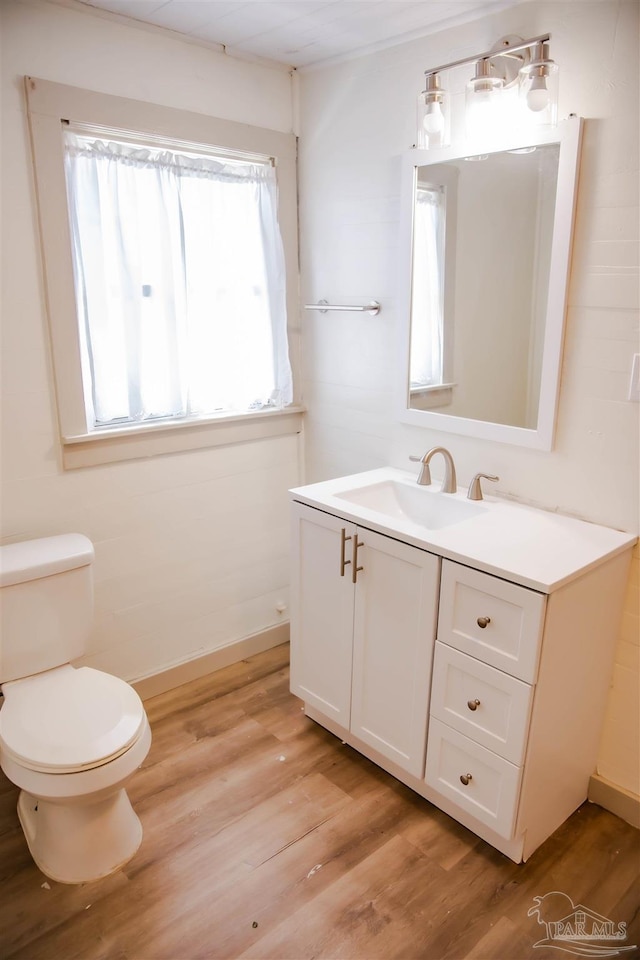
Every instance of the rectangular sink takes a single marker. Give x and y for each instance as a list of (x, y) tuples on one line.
[(422, 505)]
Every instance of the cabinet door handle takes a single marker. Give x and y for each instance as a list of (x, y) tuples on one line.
[(343, 542), (473, 704), (483, 622), (465, 779), (356, 569)]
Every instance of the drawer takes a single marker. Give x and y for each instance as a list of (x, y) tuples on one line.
[(483, 703), (490, 619), (492, 787)]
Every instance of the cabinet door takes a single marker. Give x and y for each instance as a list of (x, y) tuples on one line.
[(321, 611), (394, 635)]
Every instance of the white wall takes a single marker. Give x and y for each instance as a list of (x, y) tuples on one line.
[(356, 119), (191, 549)]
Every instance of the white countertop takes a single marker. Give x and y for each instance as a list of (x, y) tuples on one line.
[(538, 549)]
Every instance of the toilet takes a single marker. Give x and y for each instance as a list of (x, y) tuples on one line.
[(70, 737)]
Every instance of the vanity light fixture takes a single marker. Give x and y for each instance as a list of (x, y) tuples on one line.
[(488, 101)]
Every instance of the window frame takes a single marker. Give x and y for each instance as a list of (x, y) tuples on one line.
[(49, 106)]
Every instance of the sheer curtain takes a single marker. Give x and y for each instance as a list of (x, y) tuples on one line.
[(180, 281), (427, 318)]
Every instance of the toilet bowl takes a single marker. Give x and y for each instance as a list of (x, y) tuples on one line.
[(70, 737)]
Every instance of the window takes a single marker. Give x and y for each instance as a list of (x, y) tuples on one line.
[(179, 275), (169, 244)]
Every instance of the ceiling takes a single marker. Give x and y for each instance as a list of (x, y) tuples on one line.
[(300, 33)]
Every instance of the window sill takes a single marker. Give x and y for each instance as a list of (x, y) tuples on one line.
[(136, 441), (435, 395)]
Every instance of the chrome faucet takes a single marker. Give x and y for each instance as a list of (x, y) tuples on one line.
[(449, 484)]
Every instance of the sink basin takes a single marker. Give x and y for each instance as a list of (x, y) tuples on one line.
[(421, 505)]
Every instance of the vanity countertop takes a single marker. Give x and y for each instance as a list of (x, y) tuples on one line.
[(538, 549)]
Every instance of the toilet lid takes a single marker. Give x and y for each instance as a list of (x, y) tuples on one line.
[(67, 719)]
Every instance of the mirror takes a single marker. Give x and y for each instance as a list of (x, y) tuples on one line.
[(487, 239)]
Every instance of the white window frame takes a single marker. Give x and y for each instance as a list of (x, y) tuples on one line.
[(49, 106)]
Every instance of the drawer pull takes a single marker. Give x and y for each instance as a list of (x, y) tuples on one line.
[(343, 561), (355, 568), (483, 622), (465, 779), (473, 704)]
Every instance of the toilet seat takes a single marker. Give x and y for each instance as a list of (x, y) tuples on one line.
[(67, 720)]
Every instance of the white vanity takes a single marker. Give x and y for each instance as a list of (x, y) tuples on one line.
[(465, 647)]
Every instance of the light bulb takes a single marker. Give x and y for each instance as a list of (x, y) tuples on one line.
[(433, 120), (539, 88), (433, 115), (537, 97)]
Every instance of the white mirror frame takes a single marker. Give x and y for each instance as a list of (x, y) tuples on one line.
[(568, 134)]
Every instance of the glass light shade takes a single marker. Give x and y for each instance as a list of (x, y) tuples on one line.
[(483, 107), (434, 126), (538, 89)]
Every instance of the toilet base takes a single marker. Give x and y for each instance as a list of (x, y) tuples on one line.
[(75, 842)]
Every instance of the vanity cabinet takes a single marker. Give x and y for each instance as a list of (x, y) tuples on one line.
[(482, 693), (363, 612)]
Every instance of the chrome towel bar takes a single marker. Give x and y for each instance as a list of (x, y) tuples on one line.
[(372, 307)]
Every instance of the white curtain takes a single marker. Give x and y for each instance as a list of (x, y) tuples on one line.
[(427, 319), (180, 281)]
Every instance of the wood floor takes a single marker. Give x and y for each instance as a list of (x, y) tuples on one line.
[(266, 837)]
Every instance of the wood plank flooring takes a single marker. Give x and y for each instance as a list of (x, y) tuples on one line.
[(266, 837)]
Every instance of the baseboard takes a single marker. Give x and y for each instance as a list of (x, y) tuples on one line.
[(200, 666), (616, 799)]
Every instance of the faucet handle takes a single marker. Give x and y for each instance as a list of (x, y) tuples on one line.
[(425, 473), (475, 487)]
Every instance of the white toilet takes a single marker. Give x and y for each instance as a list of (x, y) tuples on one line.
[(69, 738)]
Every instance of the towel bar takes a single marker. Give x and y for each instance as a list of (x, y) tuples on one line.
[(372, 307)]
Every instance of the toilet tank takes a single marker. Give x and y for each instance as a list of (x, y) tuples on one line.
[(46, 603)]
